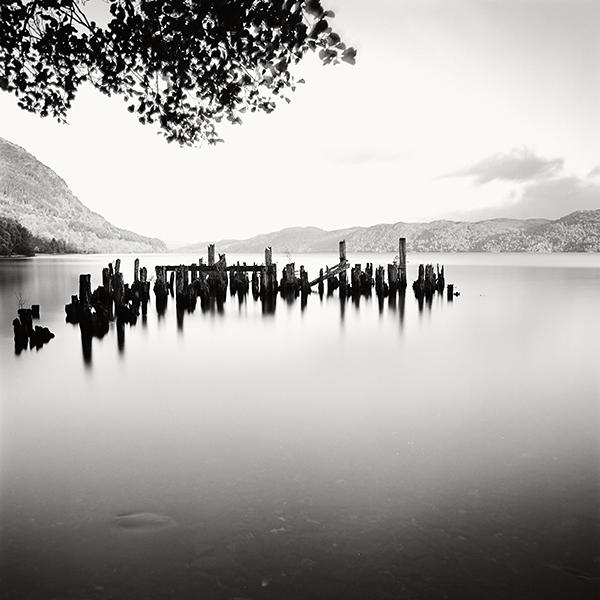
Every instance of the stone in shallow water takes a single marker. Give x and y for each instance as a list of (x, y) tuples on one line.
[(143, 521)]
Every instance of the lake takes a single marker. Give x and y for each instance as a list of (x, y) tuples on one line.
[(339, 450)]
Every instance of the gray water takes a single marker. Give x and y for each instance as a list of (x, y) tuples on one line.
[(336, 451)]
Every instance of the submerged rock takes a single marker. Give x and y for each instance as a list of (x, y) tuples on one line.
[(144, 521)]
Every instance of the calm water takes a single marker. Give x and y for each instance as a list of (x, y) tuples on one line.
[(339, 451)]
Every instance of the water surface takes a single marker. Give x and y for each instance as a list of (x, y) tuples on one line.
[(342, 450)]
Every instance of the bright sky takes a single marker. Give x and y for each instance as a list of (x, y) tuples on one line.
[(456, 108)]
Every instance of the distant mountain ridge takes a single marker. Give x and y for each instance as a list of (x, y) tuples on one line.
[(576, 232), (36, 197)]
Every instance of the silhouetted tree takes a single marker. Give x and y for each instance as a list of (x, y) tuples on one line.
[(184, 65)]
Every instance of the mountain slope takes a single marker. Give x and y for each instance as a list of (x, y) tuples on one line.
[(35, 196), (576, 232)]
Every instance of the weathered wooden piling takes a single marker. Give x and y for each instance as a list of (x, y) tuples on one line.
[(381, 287), (450, 292), (268, 279), (255, 286), (441, 281), (85, 288), (26, 334), (402, 262), (305, 289), (179, 285), (288, 284), (343, 275), (211, 255), (393, 279), (160, 284), (118, 288)]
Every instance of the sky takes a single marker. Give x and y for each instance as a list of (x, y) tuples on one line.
[(460, 109)]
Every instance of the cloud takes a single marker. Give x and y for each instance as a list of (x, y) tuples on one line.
[(549, 199), (557, 197), (520, 164), (595, 172)]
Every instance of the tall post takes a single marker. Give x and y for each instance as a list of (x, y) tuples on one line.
[(343, 282), (211, 255), (268, 256), (136, 270), (342, 250), (402, 261), (85, 289)]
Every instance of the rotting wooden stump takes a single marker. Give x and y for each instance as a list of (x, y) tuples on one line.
[(238, 280), (305, 287), (361, 282), (393, 277), (268, 276), (25, 334), (289, 284), (381, 287), (429, 281)]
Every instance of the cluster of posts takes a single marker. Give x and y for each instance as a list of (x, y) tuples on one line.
[(209, 281), (26, 334), (113, 300)]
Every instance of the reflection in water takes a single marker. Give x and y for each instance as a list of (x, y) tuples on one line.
[(120, 336), (86, 348), (290, 457)]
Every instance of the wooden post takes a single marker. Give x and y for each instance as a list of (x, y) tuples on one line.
[(402, 261), (321, 285), (450, 292), (211, 255), (268, 256), (119, 288), (106, 280), (392, 277), (179, 284), (136, 270), (380, 287), (343, 277), (441, 280), (117, 265), (85, 289)]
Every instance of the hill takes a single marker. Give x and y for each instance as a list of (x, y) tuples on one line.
[(35, 196), (576, 232)]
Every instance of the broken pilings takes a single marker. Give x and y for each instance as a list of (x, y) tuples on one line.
[(25, 334)]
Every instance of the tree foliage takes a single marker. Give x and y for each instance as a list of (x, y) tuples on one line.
[(14, 238), (184, 65)]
